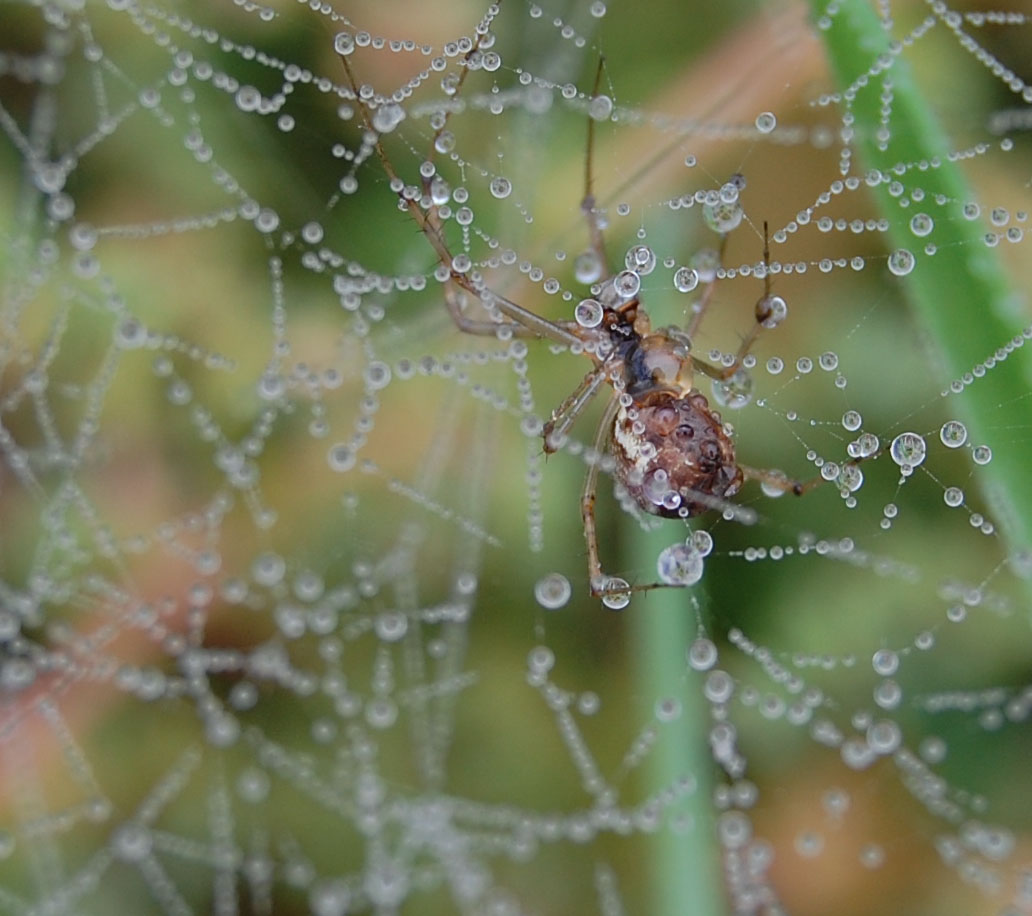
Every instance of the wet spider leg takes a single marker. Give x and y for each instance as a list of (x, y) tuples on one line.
[(779, 480), (523, 322), (596, 578), (763, 313), (588, 202), (700, 307), (563, 416)]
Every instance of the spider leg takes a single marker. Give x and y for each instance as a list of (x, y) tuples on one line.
[(700, 307), (522, 321), (779, 480), (764, 318), (563, 416), (588, 202), (596, 578)]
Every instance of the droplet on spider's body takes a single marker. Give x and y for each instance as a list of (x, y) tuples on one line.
[(617, 593), (734, 393), (588, 313), (775, 483), (771, 311), (680, 564), (852, 421)]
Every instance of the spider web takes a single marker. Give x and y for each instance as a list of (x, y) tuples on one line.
[(293, 610)]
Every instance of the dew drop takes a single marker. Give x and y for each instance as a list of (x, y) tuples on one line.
[(600, 108), (552, 591), (685, 279), (921, 224), (500, 187), (702, 654), (626, 284), (851, 420), (766, 122), (617, 595), (341, 457), (908, 449), (588, 313), (901, 262), (953, 434), (587, 267), (343, 43), (680, 564)]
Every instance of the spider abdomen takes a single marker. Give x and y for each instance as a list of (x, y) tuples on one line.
[(674, 456)]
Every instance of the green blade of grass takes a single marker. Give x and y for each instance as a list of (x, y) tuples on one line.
[(685, 864), (961, 293)]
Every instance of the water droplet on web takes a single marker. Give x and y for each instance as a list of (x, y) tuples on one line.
[(341, 457), (668, 709), (982, 454), (540, 660), (953, 497), (702, 654), (766, 122), (723, 217), (908, 449), (600, 108), (680, 564), (83, 236), (702, 541), (500, 187), (343, 43), (901, 262), (953, 434), (851, 420), (587, 267), (588, 313), (552, 591), (268, 569), (685, 279), (130, 334), (921, 224), (706, 261), (641, 259)]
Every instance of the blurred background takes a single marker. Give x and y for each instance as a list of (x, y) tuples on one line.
[(294, 612)]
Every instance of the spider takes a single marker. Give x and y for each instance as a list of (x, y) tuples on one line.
[(672, 453)]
